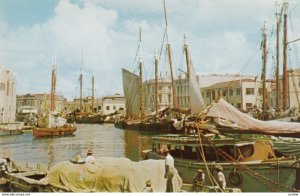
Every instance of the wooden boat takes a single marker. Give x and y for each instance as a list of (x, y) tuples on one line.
[(59, 131), (250, 165), (51, 123)]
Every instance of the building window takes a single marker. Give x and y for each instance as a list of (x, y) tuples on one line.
[(248, 106), (238, 105), (249, 91), (121, 108), (7, 89), (238, 91), (114, 107), (107, 107), (230, 92), (99, 107)]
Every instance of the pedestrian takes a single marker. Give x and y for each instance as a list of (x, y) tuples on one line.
[(198, 179), (148, 187), (221, 177), (90, 158), (169, 171), (4, 165)]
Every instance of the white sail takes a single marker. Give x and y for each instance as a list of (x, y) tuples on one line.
[(196, 100), (131, 92)]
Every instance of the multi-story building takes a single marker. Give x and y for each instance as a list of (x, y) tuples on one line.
[(164, 94), (40, 101), (105, 105), (7, 95), (243, 93)]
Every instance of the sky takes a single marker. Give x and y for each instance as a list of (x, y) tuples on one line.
[(102, 36)]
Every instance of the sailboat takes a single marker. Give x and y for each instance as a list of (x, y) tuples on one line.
[(52, 124), (136, 119)]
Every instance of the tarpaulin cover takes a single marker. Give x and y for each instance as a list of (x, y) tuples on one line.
[(111, 175), (222, 110)]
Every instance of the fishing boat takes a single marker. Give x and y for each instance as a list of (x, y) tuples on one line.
[(51, 123), (250, 165)]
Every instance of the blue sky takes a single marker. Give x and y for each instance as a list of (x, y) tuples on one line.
[(224, 37)]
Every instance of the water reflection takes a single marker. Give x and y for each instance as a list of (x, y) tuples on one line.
[(104, 140)]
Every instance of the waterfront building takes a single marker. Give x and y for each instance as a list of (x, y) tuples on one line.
[(104, 105), (244, 94), (7, 95), (164, 94), (41, 102)]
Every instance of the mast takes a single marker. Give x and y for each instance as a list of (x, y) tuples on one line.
[(170, 59), (53, 86), (187, 56), (285, 82), (141, 78), (263, 76), (278, 16), (80, 80), (93, 92), (156, 82)]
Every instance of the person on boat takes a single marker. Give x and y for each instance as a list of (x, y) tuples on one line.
[(148, 187), (198, 179), (4, 165), (90, 158), (221, 177), (169, 170)]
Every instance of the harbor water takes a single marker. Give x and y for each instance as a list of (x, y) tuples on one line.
[(105, 141)]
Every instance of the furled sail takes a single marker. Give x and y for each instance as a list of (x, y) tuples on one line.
[(196, 100), (226, 115), (131, 92)]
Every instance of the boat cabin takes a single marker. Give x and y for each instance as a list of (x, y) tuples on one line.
[(213, 149)]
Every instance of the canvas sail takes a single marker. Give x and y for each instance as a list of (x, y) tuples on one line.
[(131, 92), (196, 100), (226, 115)]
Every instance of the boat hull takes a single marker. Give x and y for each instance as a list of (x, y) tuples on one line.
[(164, 127), (238, 177), (52, 132)]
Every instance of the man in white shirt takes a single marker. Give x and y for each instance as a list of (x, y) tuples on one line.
[(221, 177), (90, 158), (169, 171)]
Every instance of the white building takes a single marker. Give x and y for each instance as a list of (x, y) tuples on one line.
[(164, 94), (7, 95)]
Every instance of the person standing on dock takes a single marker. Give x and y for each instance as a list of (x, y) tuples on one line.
[(169, 171), (90, 158), (221, 177)]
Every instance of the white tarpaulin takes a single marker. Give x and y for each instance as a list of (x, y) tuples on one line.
[(222, 110)]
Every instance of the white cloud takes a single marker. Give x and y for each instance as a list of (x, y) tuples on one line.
[(222, 34)]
